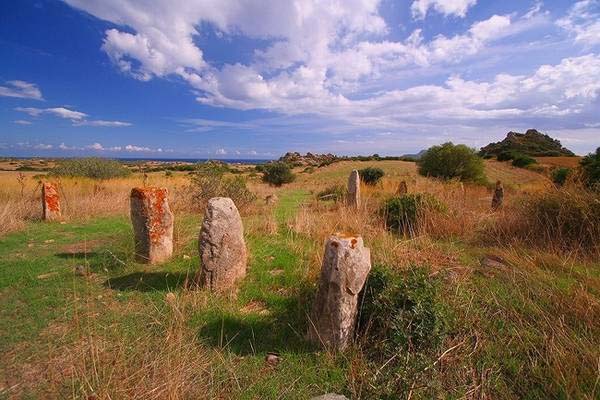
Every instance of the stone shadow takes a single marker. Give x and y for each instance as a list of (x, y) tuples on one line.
[(148, 281), (282, 329)]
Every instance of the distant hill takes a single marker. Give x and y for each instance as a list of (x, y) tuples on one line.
[(531, 143)]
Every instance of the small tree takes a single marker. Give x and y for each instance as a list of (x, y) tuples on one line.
[(449, 161), (277, 173), (590, 166), (560, 175), (370, 175)]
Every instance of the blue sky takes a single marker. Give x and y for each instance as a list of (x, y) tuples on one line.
[(257, 78)]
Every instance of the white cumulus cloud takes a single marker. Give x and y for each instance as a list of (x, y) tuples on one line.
[(21, 89), (458, 8)]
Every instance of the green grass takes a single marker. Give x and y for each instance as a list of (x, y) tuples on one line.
[(524, 331)]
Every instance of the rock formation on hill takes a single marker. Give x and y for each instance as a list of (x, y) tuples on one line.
[(531, 143), (297, 160)]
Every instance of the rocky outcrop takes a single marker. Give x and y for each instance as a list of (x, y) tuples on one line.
[(309, 159), (346, 264), (152, 222), (531, 143), (221, 245)]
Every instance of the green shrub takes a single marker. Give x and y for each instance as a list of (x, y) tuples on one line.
[(402, 324), (452, 161), (403, 214), (210, 181), (522, 161), (334, 192), (93, 167), (560, 175), (590, 166), (505, 156), (370, 175), (277, 174)]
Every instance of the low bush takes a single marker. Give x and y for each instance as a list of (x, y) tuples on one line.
[(405, 214), (522, 161), (450, 161), (590, 167), (560, 175), (93, 167), (334, 192), (565, 219), (277, 173), (210, 181), (370, 175), (402, 313), (505, 156)]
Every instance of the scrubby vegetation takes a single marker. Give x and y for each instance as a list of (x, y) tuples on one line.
[(590, 166), (522, 161), (210, 180), (95, 168), (406, 214), (277, 173), (371, 175), (560, 175), (450, 161)]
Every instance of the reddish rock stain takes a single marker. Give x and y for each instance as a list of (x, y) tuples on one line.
[(154, 200), (51, 198)]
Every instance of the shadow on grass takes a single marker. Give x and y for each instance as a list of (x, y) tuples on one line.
[(282, 329), (98, 260), (148, 281)]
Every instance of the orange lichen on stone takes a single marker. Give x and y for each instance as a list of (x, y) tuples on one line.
[(153, 221), (50, 201)]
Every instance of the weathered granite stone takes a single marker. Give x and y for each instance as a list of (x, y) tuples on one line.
[(498, 196), (346, 264), (330, 396), (271, 199), (50, 202), (152, 222), (222, 247), (354, 189), (402, 189)]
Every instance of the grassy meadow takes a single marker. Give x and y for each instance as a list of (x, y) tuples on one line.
[(527, 327)]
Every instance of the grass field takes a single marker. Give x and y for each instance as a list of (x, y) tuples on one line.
[(528, 327)]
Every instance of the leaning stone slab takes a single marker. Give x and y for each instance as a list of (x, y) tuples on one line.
[(330, 396), (50, 202), (222, 247), (354, 189), (346, 264), (152, 221), (498, 196)]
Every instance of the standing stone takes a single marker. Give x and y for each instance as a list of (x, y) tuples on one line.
[(222, 247), (271, 199), (346, 264), (402, 189), (50, 202), (498, 196), (152, 222), (354, 189)]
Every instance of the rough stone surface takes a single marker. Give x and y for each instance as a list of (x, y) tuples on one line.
[(402, 189), (222, 247), (50, 202), (498, 196), (346, 264), (152, 222), (354, 189), (330, 396), (271, 199)]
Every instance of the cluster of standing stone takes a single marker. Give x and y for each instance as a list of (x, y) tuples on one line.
[(223, 254)]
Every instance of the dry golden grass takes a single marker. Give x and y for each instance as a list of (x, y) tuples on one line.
[(569, 162)]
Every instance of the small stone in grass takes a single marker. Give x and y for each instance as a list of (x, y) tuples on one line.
[(186, 257), (80, 270), (272, 358)]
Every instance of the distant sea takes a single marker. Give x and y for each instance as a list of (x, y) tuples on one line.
[(196, 160)]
